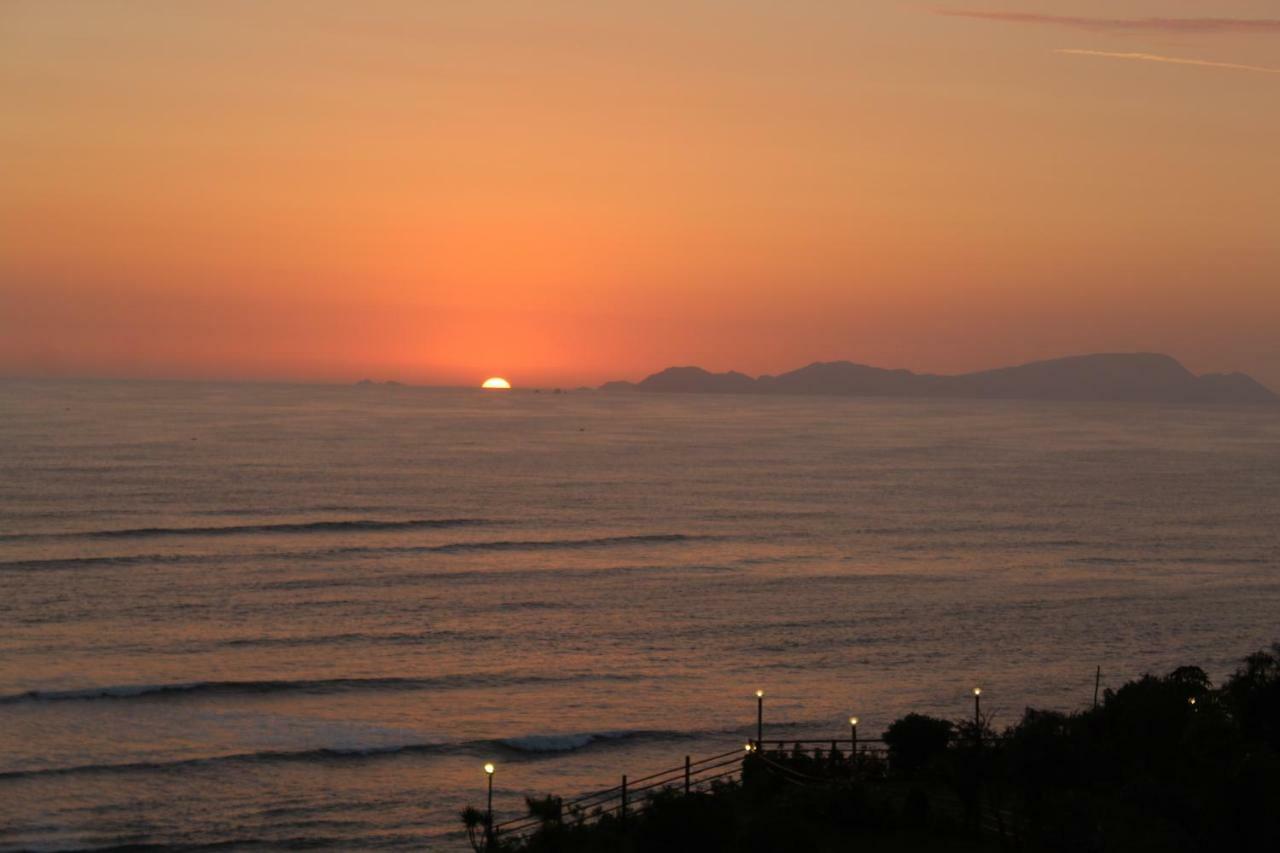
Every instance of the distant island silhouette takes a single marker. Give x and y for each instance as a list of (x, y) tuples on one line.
[(1103, 377)]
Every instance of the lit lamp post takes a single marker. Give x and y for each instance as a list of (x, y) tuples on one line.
[(488, 814), (977, 710), (853, 746), (759, 718)]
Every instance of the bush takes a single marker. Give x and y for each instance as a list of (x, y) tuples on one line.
[(1252, 697), (916, 741)]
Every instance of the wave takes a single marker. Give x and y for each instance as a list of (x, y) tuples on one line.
[(90, 562), (360, 638), (447, 548), (490, 575), (321, 754), (350, 637), (572, 742), (305, 685), (347, 526), (556, 544), (528, 745), (930, 529), (1176, 561)]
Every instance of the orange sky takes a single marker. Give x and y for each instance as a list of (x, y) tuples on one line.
[(567, 192)]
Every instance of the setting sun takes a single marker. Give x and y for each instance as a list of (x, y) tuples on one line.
[(496, 383)]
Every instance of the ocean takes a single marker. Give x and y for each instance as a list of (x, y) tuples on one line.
[(261, 616)]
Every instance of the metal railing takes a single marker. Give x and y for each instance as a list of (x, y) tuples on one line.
[(870, 746), (629, 794), (693, 775)]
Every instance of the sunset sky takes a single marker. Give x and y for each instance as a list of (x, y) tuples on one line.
[(568, 192)]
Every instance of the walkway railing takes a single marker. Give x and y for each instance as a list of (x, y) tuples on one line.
[(694, 775), (800, 761), (863, 746), (690, 776)]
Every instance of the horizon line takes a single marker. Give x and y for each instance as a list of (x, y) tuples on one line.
[(346, 383)]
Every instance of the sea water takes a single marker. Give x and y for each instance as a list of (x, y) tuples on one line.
[(267, 615)]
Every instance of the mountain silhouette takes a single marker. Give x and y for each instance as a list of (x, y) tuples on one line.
[(1104, 377)]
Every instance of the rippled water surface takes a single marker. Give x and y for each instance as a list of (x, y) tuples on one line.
[(282, 614)]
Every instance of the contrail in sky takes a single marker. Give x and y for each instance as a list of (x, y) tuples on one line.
[(1172, 25), (1172, 60)]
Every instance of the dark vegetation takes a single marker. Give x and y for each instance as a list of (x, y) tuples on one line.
[(1162, 764)]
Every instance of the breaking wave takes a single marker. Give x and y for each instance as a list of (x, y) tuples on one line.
[(348, 526), (447, 548), (530, 745), (305, 685)]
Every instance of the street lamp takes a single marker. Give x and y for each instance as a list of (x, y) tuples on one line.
[(853, 737), (977, 707), (488, 814), (759, 716)]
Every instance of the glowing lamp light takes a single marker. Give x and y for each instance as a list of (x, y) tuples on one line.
[(489, 768), (853, 721), (977, 691), (747, 747), (1192, 700), (759, 694), (496, 383)]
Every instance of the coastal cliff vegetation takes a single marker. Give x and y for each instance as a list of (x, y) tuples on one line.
[(1162, 763)]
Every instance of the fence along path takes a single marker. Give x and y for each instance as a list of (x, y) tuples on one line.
[(688, 777)]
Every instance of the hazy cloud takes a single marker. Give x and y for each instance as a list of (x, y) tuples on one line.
[(1172, 60), (1166, 25)]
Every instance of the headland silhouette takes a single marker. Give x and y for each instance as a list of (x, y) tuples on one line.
[(1104, 377)]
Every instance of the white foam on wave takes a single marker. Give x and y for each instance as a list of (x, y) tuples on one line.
[(548, 743), (565, 742)]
